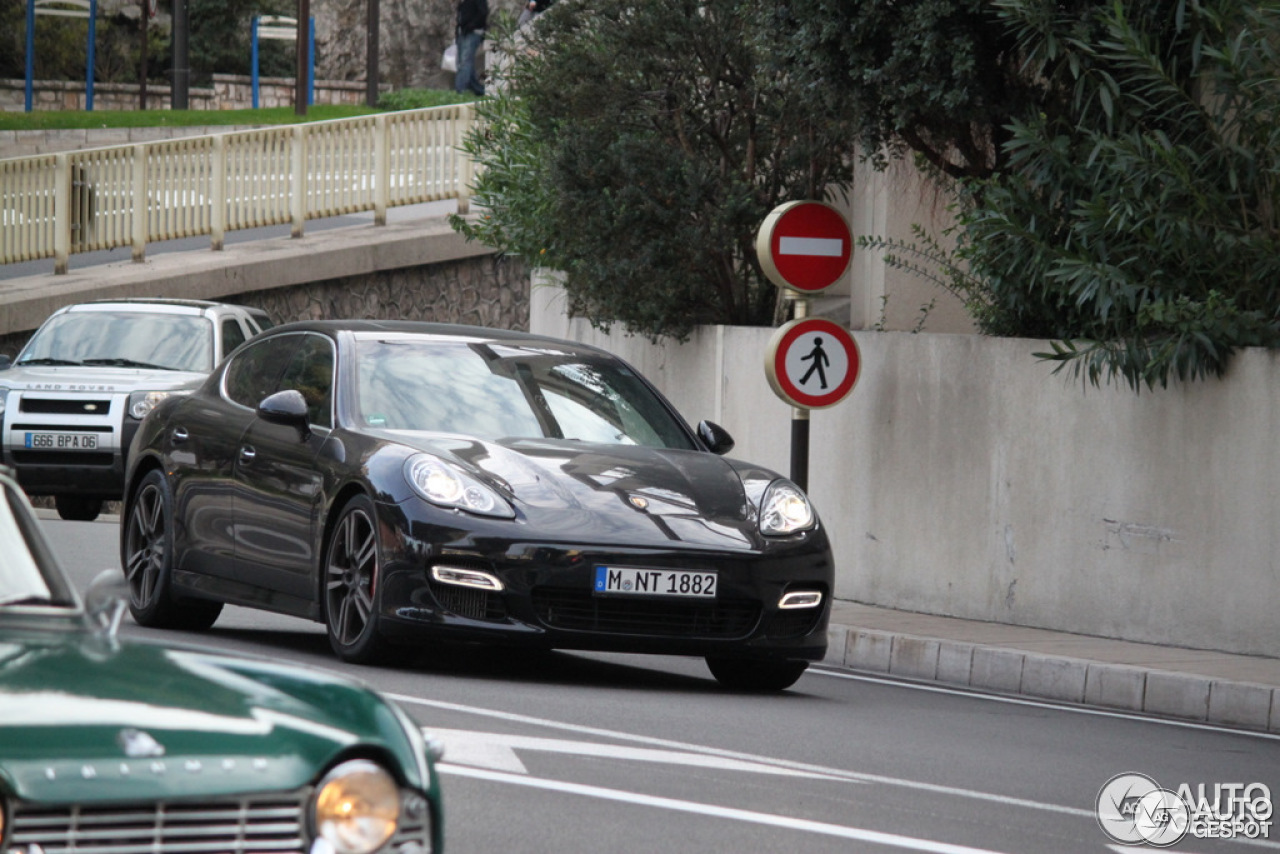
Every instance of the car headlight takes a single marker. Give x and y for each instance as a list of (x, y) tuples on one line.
[(4, 397), (142, 402), (356, 808), (449, 486), (784, 509)]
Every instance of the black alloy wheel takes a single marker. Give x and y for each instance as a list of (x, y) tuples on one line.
[(350, 584), (146, 553), (744, 674)]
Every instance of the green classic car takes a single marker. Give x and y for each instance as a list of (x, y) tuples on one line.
[(118, 746)]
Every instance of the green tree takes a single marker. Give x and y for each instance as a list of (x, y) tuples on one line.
[(637, 147), (1140, 227), (1114, 164)]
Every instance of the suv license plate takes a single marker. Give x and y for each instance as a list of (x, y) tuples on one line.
[(62, 441), (627, 580)]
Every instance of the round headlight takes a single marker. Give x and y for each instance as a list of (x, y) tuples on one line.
[(784, 509), (356, 808), (448, 486), (142, 402)]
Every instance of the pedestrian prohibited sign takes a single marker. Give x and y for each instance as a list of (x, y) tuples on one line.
[(812, 363)]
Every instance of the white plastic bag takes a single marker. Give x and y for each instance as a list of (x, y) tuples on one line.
[(449, 62)]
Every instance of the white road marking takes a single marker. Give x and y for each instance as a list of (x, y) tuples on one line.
[(892, 840), (824, 247), (780, 763), (497, 751)]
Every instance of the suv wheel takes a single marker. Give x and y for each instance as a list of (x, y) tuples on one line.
[(77, 508)]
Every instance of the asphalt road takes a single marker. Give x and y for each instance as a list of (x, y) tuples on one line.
[(614, 753)]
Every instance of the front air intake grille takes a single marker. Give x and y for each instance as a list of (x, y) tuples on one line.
[(469, 602), (62, 406), (575, 610), (251, 825), (63, 458), (247, 824), (794, 622)]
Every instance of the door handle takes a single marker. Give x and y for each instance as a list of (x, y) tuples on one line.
[(180, 435), (247, 454)]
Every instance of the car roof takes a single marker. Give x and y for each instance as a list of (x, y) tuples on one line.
[(166, 305), (416, 327)]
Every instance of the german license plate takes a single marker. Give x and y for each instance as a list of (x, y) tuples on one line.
[(627, 580), (62, 441)]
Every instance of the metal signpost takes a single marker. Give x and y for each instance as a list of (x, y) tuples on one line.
[(65, 9), (812, 363)]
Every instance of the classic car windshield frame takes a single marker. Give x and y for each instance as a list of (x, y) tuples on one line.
[(26, 574)]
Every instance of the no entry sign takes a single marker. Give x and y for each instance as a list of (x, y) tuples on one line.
[(805, 246), (812, 363)]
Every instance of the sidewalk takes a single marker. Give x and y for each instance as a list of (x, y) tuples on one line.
[(1215, 687)]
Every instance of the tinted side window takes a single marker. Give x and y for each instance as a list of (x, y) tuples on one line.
[(255, 371), (232, 335), (311, 372)]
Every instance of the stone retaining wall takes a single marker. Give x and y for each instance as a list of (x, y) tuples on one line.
[(481, 291)]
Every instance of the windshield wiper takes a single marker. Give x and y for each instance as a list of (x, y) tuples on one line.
[(127, 363), (48, 361)]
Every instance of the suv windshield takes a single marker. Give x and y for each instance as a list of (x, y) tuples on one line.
[(129, 339), (495, 391)]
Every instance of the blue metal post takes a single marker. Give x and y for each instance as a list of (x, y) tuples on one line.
[(93, 37), (253, 38), (311, 60), (31, 50)]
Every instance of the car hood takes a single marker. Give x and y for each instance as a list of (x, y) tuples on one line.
[(85, 718), (619, 494), (96, 380)]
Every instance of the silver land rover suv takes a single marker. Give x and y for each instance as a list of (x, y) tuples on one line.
[(73, 398)]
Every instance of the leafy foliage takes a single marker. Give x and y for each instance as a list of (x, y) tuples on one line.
[(1140, 228), (637, 147)]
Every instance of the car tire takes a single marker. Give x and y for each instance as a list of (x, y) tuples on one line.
[(745, 674), (349, 585), (146, 553), (77, 508)]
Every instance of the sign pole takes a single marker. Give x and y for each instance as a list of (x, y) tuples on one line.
[(804, 247), (800, 424)]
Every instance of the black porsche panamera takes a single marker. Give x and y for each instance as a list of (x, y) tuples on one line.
[(402, 482)]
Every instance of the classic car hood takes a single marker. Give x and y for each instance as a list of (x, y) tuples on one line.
[(95, 379), (76, 722), (622, 494)]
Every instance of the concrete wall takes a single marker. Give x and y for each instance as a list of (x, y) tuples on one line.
[(960, 477)]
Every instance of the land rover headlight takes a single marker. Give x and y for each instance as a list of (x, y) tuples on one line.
[(142, 402), (4, 396), (356, 808), (449, 486), (784, 509)]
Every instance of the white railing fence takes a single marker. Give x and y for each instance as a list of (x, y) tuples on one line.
[(55, 205)]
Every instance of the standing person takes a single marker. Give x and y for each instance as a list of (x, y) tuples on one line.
[(473, 17), (533, 9)]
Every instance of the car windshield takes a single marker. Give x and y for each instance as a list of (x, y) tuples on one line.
[(23, 580), (494, 391), (122, 338)]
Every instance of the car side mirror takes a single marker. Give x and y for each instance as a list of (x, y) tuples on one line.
[(105, 601), (286, 407), (5, 362), (715, 437)]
